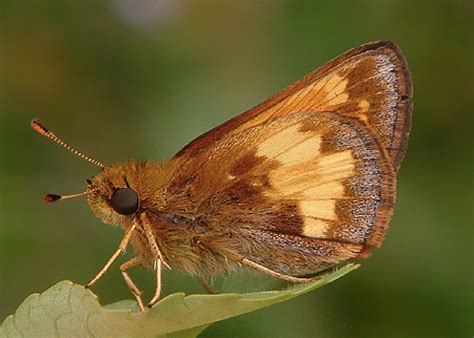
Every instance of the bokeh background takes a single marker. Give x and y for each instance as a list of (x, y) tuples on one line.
[(142, 78)]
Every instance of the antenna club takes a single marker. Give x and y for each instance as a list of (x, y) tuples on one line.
[(52, 198), (37, 126)]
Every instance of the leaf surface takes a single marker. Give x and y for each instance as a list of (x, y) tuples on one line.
[(68, 309)]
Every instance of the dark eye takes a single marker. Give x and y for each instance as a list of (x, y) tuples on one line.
[(124, 201)]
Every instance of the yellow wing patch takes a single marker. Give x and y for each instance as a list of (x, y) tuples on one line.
[(303, 174), (318, 177), (315, 227), (322, 209), (290, 146)]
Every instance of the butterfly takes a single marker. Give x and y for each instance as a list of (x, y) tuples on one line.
[(303, 182)]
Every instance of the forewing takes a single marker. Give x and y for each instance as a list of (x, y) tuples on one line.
[(371, 83), (321, 181)]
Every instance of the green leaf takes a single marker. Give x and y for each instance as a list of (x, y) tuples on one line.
[(68, 309)]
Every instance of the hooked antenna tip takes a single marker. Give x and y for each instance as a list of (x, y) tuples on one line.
[(37, 126)]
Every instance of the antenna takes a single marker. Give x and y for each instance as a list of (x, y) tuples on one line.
[(53, 197), (37, 126)]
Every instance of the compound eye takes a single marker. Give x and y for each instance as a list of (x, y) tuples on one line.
[(124, 201)]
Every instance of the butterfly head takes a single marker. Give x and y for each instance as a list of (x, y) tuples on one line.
[(124, 190), (111, 197)]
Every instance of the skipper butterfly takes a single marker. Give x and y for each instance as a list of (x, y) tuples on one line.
[(296, 185)]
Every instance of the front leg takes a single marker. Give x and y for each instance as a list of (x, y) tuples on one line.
[(120, 250)]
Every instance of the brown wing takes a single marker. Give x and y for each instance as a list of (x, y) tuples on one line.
[(370, 82), (296, 194)]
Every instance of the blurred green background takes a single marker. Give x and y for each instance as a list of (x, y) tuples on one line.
[(124, 78)]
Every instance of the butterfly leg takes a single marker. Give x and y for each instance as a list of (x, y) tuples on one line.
[(277, 274), (156, 297), (158, 258), (205, 284), (246, 261), (135, 261), (121, 249)]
